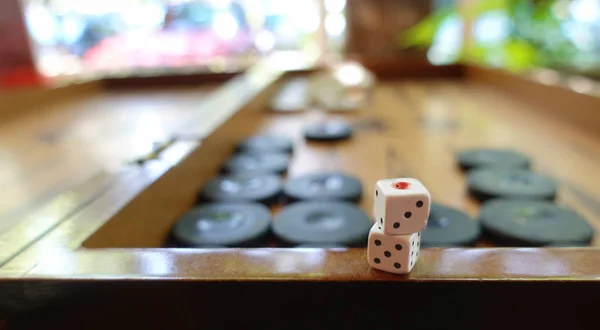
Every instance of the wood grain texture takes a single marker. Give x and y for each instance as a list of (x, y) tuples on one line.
[(133, 180), (38, 223), (310, 265), (569, 98), (412, 128), (62, 141), (104, 263)]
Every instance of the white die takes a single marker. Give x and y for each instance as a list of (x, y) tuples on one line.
[(401, 205), (396, 254)]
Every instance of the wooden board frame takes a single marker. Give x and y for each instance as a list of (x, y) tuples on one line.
[(54, 266)]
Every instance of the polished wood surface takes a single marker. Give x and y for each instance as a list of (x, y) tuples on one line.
[(311, 264), (62, 138), (412, 128), (567, 97), (37, 223), (131, 181)]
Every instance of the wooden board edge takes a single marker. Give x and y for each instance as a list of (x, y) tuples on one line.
[(315, 265)]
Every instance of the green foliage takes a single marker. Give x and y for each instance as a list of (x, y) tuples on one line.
[(536, 38), (422, 34), (481, 7)]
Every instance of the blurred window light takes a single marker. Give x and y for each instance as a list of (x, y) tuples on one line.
[(220, 4), (335, 6), (42, 25), (88, 7), (149, 15), (72, 28), (492, 28), (112, 35), (447, 42), (309, 23), (225, 25), (302, 15), (581, 35), (265, 41), (586, 11), (335, 24)]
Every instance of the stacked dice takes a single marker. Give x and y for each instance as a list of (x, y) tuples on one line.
[(401, 209)]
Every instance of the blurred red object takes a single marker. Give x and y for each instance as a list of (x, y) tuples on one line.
[(17, 66), (22, 77), (164, 48)]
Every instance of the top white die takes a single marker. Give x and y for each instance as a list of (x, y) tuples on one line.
[(401, 205)]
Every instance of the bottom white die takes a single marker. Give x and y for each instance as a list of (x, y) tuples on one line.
[(396, 254)]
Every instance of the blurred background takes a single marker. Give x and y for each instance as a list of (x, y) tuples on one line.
[(98, 38), (75, 37), (71, 133)]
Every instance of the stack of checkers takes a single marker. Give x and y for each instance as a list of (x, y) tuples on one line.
[(328, 131), (518, 204), (321, 211), (235, 208)]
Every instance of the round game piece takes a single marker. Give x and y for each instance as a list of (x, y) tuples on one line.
[(490, 183), (448, 227), (328, 131), (264, 188), (223, 224), (533, 223), (321, 246), (257, 163), (495, 158), (267, 143), (335, 222), (323, 186)]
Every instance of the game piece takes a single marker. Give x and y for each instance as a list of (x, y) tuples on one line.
[(487, 183), (257, 163), (263, 188), (396, 254), (495, 158), (401, 205), (328, 131), (223, 224), (292, 96), (532, 223), (447, 227), (346, 87), (267, 143), (318, 222), (321, 246), (323, 186)]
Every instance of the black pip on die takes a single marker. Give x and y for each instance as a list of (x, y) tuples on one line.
[(401, 206), (393, 253), (401, 209)]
